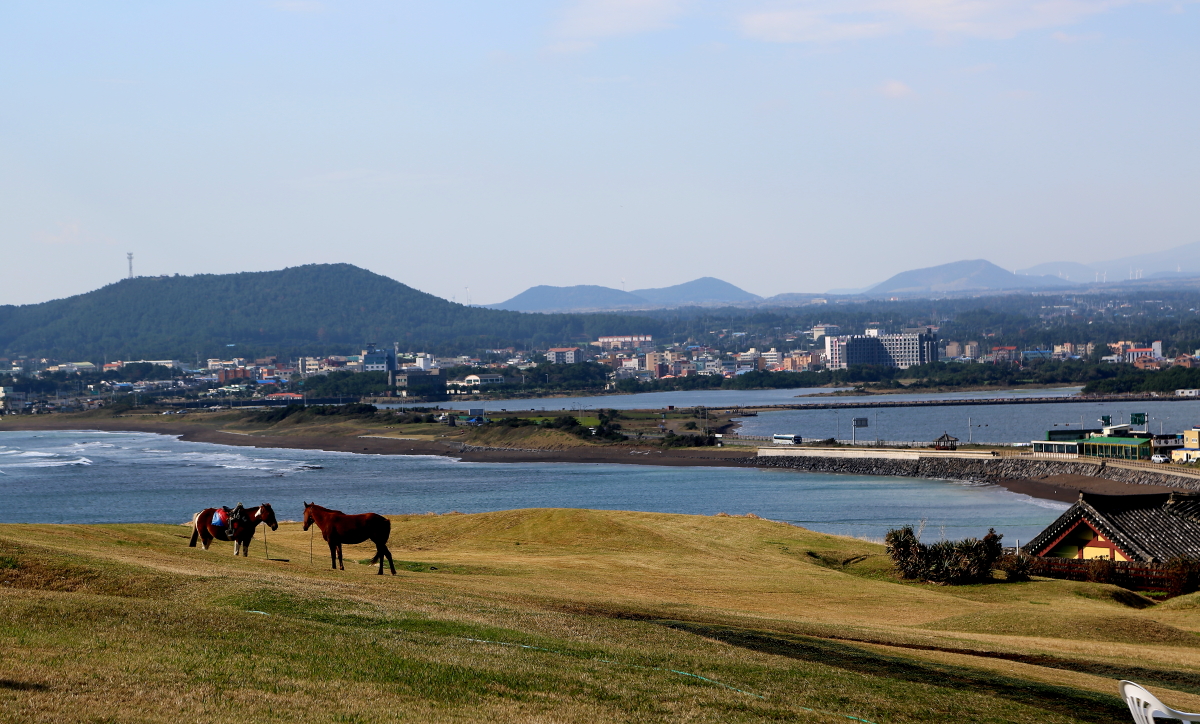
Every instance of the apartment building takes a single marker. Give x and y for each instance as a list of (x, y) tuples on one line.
[(910, 348)]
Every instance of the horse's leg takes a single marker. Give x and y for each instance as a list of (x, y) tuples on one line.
[(195, 530), (387, 551), (205, 538), (333, 551), (246, 547), (341, 561), (236, 545)]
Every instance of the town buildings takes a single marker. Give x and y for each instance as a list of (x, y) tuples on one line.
[(627, 341), (564, 355), (910, 348), (377, 360), (824, 330)]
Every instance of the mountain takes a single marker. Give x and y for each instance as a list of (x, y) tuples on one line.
[(978, 274), (795, 299), (314, 309), (702, 292), (1180, 260), (545, 298), (1071, 271)]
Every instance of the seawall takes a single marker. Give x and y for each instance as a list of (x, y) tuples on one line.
[(980, 470)]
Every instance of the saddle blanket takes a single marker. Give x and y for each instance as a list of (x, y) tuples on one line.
[(219, 519)]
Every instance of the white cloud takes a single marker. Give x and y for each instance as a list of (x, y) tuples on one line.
[(607, 18), (793, 21), (895, 89)]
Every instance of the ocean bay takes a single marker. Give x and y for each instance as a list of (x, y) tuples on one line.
[(107, 477)]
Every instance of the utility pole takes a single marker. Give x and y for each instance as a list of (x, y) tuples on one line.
[(130, 256)]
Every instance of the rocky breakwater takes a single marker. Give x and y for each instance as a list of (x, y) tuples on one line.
[(980, 470)]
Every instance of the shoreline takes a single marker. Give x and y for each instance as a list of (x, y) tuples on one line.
[(871, 392), (1059, 487), (377, 445), (1066, 488), (835, 390)]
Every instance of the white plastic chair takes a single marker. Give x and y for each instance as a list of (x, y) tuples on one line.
[(1145, 706)]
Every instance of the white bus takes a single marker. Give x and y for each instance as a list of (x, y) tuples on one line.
[(786, 439)]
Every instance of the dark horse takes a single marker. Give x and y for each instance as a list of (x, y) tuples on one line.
[(338, 528), (240, 533)]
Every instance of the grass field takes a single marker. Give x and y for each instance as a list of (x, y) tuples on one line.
[(558, 616)]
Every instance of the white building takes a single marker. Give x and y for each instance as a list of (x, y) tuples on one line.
[(10, 400), (910, 348), (627, 341), (564, 355), (480, 380)]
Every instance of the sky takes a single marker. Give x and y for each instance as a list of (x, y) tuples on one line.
[(472, 150)]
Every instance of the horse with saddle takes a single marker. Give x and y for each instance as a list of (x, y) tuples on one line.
[(235, 524)]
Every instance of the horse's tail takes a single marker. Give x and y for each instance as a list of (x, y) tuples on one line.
[(195, 530), (381, 545)]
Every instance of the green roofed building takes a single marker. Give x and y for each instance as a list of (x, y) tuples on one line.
[(1120, 448)]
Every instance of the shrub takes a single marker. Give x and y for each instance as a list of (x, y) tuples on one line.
[(1101, 570), (1017, 568), (906, 551), (954, 562), (1184, 576), (673, 440), (299, 413), (277, 414)]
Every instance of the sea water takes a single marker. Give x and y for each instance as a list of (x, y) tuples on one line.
[(726, 399), (111, 477), (974, 423)]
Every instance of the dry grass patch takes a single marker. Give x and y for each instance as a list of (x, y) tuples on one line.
[(566, 626)]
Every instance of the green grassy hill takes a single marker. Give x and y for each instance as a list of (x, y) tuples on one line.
[(558, 615), (314, 309)]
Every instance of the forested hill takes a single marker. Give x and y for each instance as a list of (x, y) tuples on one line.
[(314, 309)]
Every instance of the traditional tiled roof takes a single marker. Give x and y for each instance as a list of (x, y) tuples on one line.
[(1153, 528)]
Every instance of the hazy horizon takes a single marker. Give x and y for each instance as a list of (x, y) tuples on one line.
[(779, 145)]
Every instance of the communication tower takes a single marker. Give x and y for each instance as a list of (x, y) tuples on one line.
[(130, 255)]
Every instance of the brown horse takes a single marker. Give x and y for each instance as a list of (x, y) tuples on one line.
[(338, 528), (241, 534)]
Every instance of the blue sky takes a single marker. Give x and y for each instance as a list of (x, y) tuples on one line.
[(782, 145)]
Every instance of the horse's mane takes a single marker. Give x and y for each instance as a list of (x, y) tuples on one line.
[(323, 508)]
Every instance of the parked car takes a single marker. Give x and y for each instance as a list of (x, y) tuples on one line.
[(1159, 459)]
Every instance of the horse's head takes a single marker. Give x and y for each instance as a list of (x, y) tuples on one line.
[(308, 516), (267, 514)]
